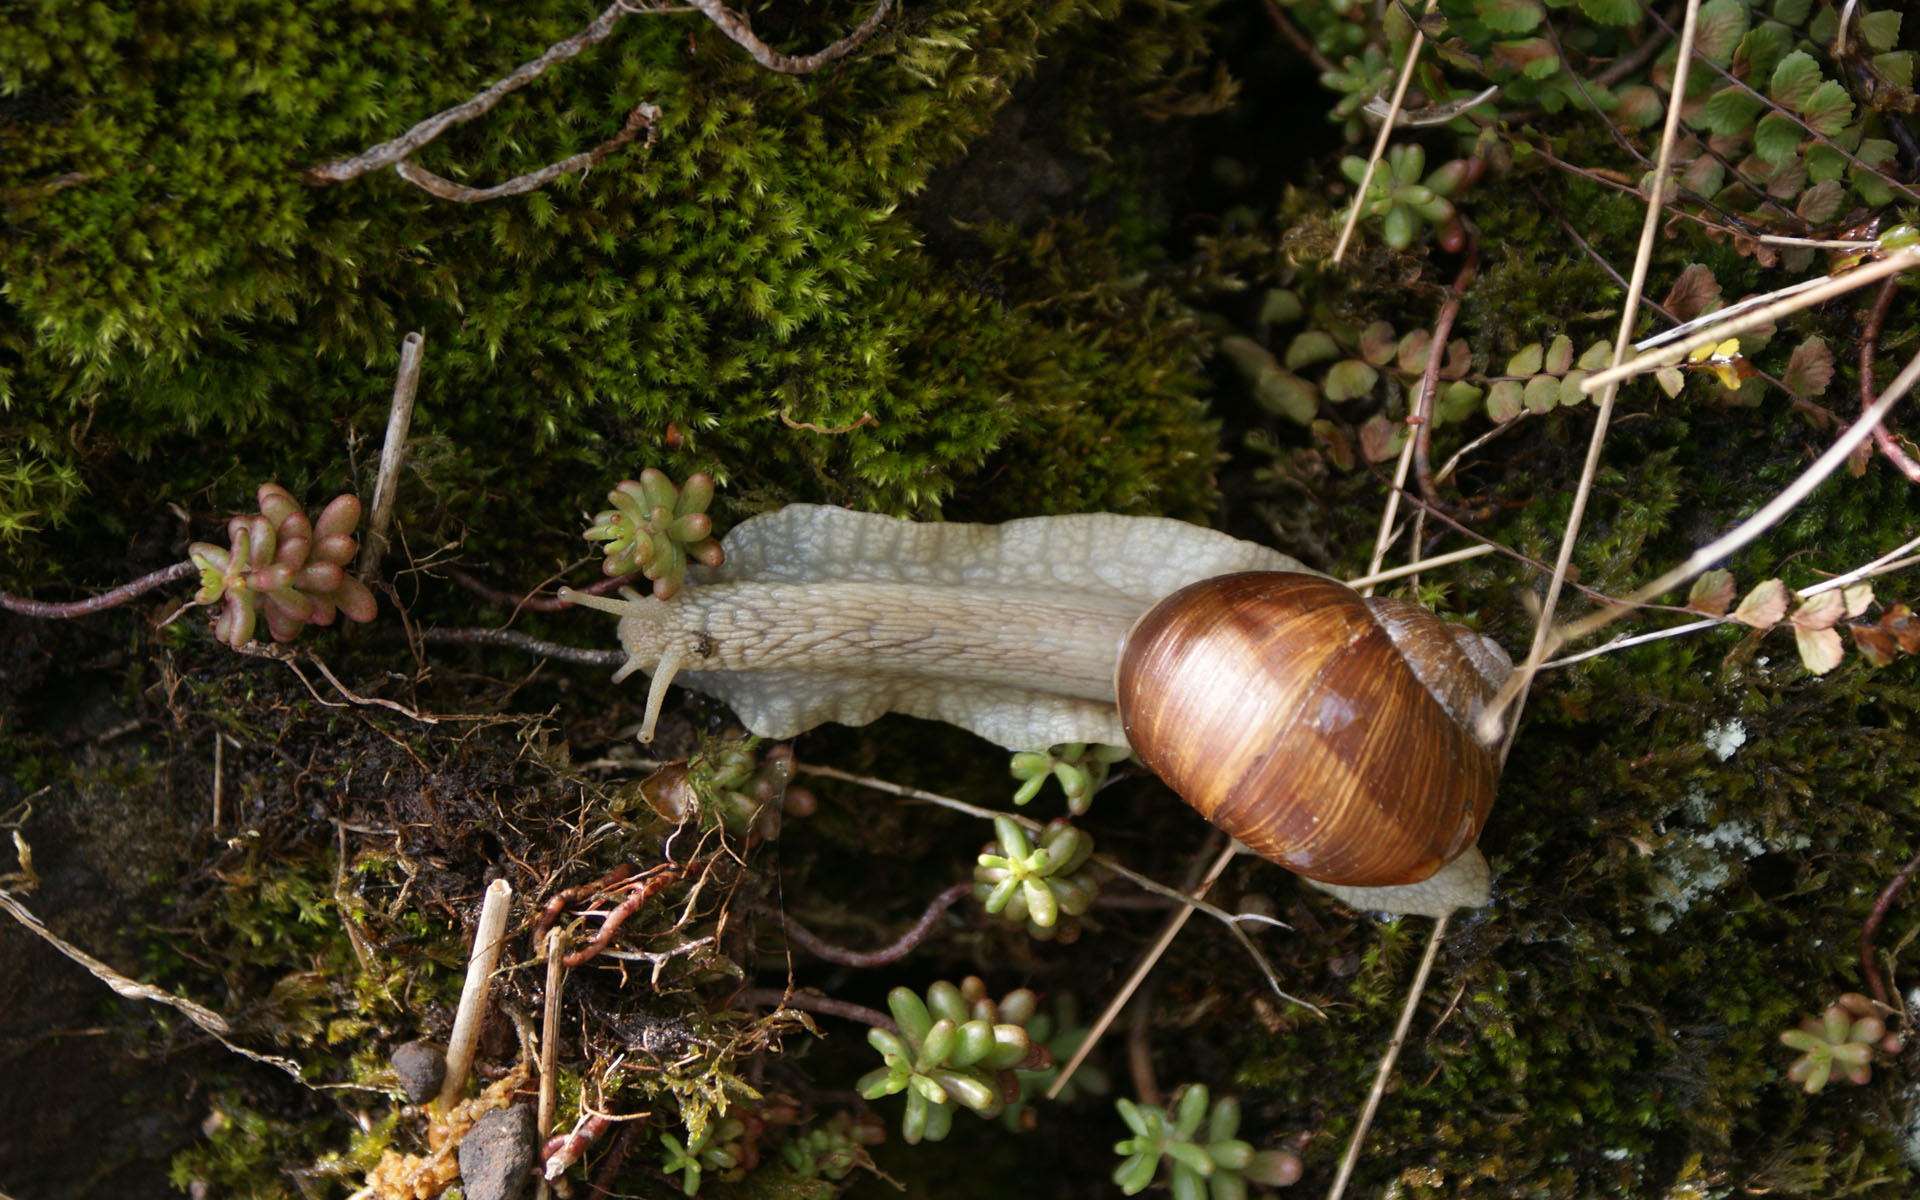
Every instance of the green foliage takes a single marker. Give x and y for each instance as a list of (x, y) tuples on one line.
[(1045, 887), (951, 1049), (1081, 769), (280, 562), (171, 278), (1200, 1146), (655, 527)]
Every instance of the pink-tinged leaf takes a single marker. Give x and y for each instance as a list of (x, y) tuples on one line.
[(1381, 439), (1596, 357), (1671, 380), (323, 611), (293, 551), (1542, 394), (1821, 202), (355, 600), (1712, 593), (1829, 109), (1763, 607), (1411, 355), (1640, 106), (319, 578), (1859, 598), (1378, 343), (1820, 649), (337, 548), (276, 503), (1570, 390), (1794, 79), (1820, 612), (340, 516), (1503, 401), (1810, 369), (1459, 360), (1696, 291)]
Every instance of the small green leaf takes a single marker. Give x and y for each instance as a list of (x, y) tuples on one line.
[(1792, 11), (1821, 202), (1828, 110), (1761, 51), (1280, 307), (1542, 394), (1570, 393), (1503, 401), (1640, 107), (1731, 111), (1559, 355), (1612, 12), (1310, 347), (1880, 30), (1897, 66), (1794, 80), (1596, 357), (1824, 163), (1349, 379), (1509, 16), (1776, 139), (1721, 25), (1527, 362)]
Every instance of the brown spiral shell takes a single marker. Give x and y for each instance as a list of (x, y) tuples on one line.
[(1292, 713)]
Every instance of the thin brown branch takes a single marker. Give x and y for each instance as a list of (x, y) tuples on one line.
[(93, 604), (735, 27), (520, 641), (814, 1002), (1422, 414), (1869, 341), (642, 117), (1299, 40), (1881, 905), (386, 154), (894, 951), (532, 601)]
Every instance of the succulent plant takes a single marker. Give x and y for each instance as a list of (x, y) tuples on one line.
[(1403, 200), (1840, 1041), (1079, 766), (1198, 1142), (720, 1149), (834, 1149), (954, 1047), (279, 562), (655, 527), (1045, 886)]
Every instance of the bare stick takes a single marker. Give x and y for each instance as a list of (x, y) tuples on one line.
[(1391, 1056), (473, 995), (393, 452), (1414, 568), (735, 26), (1516, 689), (1171, 930), (777, 998), (102, 602), (219, 763), (550, 1036), (643, 117)]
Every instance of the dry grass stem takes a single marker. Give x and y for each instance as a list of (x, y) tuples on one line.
[(393, 453), (473, 995), (1380, 142)]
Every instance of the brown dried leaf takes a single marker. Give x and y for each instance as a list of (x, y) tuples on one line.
[(1381, 439), (1712, 593), (1810, 369), (1874, 643), (1859, 597), (1696, 291), (1764, 607), (1377, 344), (1820, 649), (1820, 612)]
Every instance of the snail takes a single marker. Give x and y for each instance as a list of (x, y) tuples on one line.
[(1136, 631)]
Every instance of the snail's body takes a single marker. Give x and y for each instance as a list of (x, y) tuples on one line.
[(1017, 631)]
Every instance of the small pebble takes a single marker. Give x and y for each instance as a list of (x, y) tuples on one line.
[(496, 1156), (421, 1068)]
